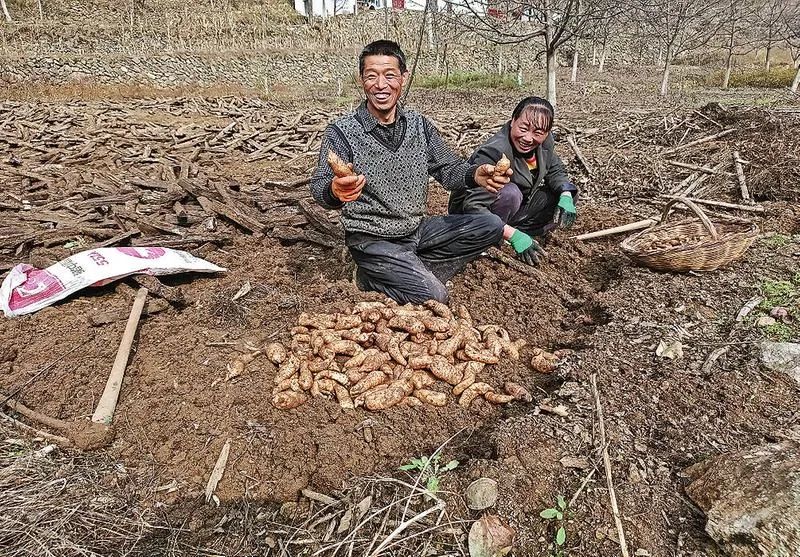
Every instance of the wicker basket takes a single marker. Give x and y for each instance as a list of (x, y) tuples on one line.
[(689, 245)]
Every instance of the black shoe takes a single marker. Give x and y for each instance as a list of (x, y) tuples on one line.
[(359, 281)]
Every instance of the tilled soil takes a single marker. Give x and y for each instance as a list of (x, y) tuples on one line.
[(176, 410)]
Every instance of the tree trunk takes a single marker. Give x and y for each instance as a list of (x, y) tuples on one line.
[(552, 62), (386, 18), (768, 58), (594, 47), (603, 55), (796, 81), (430, 23), (574, 77), (552, 59), (660, 55), (500, 60), (728, 66), (308, 6), (520, 79), (41, 9), (665, 76), (5, 10)]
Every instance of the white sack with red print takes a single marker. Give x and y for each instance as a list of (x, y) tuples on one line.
[(27, 289)]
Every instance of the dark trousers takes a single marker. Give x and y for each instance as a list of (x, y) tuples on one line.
[(534, 218), (414, 268)]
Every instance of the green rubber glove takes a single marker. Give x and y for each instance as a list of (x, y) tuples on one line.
[(566, 210), (527, 249)]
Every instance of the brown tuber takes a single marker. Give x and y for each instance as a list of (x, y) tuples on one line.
[(445, 371), (543, 361), (385, 398), (518, 391), (288, 399), (498, 398), (471, 371), (338, 166), (502, 166), (472, 392), (275, 352), (434, 398)]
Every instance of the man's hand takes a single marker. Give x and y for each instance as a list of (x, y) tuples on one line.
[(566, 210), (348, 188), (485, 178), (527, 249)]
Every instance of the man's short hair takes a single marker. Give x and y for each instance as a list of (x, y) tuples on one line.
[(382, 47), (542, 112)]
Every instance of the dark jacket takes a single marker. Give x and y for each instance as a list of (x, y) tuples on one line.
[(550, 173)]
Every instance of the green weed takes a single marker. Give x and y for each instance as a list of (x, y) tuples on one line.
[(777, 293), (431, 470), (779, 332), (557, 515)]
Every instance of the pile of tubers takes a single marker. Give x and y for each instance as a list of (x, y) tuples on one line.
[(383, 354), (668, 243)]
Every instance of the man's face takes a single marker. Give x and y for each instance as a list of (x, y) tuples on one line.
[(527, 131), (382, 81)]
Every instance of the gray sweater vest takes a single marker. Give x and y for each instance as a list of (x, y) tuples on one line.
[(395, 196)]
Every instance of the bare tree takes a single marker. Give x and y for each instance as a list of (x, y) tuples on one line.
[(772, 16), (736, 33), (680, 26), (5, 10), (792, 38), (607, 19), (554, 22)]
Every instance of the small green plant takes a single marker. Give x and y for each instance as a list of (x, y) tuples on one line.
[(777, 293), (779, 332), (557, 515), (777, 241), (431, 469)]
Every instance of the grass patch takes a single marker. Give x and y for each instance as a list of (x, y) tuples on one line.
[(779, 332), (778, 77), (782, 294), (468, 80), (777, 293), (777, 241)]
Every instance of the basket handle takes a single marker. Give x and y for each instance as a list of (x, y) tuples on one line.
[(697, 210)]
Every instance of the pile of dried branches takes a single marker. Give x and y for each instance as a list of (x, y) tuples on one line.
[(54, 503)]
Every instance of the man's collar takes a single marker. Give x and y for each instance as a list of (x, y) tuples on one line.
[(370, 122)]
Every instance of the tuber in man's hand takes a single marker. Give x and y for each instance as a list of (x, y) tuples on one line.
[(492, 182)]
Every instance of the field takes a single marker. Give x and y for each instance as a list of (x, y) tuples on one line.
[(84, 169)]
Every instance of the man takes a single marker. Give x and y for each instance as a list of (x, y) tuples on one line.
[(539, 187), (398, 250)]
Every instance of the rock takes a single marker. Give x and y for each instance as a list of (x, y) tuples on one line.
[(481, 494), (751, 499), (783, 357), (765, 321)]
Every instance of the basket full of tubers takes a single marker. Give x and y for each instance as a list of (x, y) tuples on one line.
[(689, 245)]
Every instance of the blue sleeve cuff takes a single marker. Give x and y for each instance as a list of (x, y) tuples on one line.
[(569, 187), (330, 199)]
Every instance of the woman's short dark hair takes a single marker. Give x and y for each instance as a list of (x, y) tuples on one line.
[(382, 47), (542, 111)]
